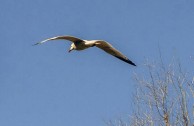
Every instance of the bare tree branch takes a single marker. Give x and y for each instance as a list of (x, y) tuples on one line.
[(162, 97)]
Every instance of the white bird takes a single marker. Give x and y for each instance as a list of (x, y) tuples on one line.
[(79, 44)]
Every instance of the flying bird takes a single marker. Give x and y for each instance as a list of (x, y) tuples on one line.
[(79, 44)]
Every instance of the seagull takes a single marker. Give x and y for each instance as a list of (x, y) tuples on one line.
[(79, 44)]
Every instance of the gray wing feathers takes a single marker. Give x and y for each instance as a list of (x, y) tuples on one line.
[(111, 50), (70, 38)]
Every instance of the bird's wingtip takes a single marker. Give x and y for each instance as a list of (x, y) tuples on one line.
[(134, 64), (126, 60), (36, 44)]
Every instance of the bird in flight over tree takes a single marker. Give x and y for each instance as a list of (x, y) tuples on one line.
[(79, 44)]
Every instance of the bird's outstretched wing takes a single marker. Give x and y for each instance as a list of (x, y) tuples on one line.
[(111, 50), (70, 38)]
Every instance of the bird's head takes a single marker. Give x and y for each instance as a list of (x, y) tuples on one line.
[(72, 47)]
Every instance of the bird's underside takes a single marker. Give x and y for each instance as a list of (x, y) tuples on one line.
[(79, 44)]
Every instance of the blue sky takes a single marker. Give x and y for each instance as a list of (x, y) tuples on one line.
[(46, 86)]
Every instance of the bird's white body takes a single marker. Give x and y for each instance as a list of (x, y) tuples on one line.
[(79, 44), (83, 45)]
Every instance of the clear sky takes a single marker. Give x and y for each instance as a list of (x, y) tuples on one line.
[(47, 86)]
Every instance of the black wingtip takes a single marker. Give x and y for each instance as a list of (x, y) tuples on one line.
[(133, 64), (126, 60), (130, 62), (36, 44)]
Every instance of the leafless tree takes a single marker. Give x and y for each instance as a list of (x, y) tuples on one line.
[(164, 96)]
